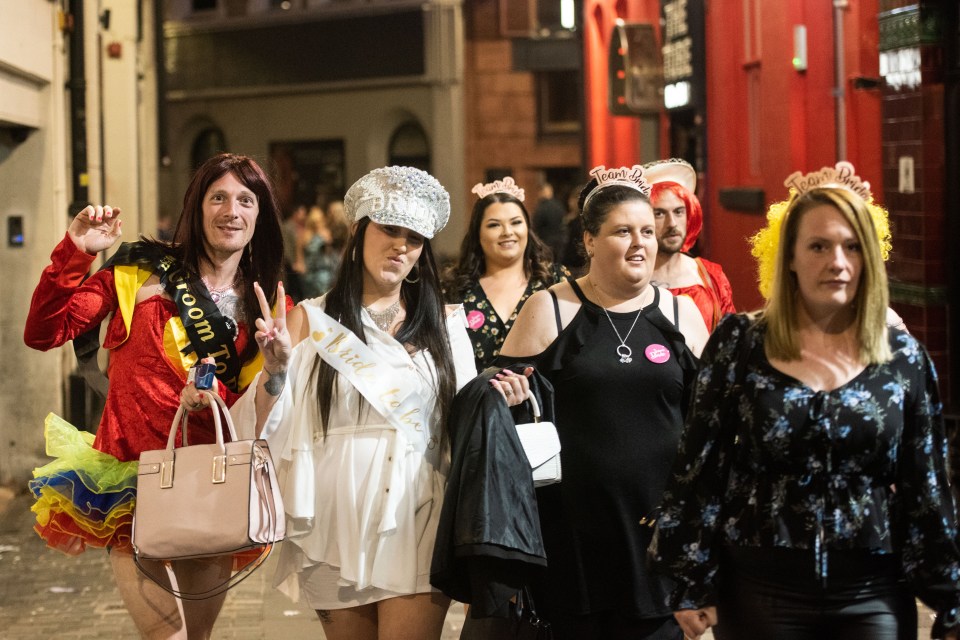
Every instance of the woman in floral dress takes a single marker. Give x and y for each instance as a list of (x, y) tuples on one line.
[(809, 497), (502, 263)]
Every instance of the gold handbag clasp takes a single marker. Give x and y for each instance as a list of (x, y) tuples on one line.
[(219, 469)]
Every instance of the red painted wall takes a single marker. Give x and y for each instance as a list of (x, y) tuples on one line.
[(764, 118)]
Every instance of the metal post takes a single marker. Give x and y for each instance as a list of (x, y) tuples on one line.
[(839, 73)]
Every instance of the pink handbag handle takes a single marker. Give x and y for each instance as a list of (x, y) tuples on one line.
[(217, 405)]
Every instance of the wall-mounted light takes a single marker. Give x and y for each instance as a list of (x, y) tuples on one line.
[(799, 47), (568, 14)]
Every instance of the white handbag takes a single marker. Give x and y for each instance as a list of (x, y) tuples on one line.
[(542, 445)]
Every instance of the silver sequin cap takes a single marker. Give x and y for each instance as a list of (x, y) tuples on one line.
[(401, 196)]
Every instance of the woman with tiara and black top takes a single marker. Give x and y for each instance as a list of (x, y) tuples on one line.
[(621, 355), (502, 263)]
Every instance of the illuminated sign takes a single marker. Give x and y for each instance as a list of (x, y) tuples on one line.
[(683, 53), (676, 95)]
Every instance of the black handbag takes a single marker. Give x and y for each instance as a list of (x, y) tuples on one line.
[(522, 623)]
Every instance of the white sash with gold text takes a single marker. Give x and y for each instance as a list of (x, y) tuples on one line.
[(393, 396)]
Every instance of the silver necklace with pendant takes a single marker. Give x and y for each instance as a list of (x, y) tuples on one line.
[(624, 352)]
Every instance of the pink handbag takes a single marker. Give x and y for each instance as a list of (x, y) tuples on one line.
[(204, 500)]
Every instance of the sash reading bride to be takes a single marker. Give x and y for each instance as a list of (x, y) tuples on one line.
[(393, 396)]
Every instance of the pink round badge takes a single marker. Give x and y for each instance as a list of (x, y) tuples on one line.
[(657, 353), (475, 319)]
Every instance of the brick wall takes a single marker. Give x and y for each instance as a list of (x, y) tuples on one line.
[(501, 110), (913, 128)]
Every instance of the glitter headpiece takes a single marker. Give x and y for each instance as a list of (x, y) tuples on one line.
[(401, 196), (507, 185), (630, 177), (672, 170), (842, 175)]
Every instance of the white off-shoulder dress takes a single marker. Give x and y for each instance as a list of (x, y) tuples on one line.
[(362, 504)]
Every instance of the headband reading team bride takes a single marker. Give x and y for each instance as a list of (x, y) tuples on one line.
[(841, 175), (506, 185), (764, 245), (630, 177)]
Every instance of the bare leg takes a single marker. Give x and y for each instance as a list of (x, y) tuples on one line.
[(156, 612), (414, 617), (354, 623)]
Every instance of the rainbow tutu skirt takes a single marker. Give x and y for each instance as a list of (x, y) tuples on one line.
[(84, 497)]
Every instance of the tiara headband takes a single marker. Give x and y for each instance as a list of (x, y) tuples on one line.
[(630, 177), (507, 185), (842, 175)]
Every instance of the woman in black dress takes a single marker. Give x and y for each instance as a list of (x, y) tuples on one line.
[(620, 354)]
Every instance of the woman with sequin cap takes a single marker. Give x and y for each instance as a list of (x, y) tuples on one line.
[(502, 263), (354, 399), (809, 498), (620, 354)]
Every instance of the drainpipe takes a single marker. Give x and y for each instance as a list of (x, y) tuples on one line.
[(78, 112), (839, 73)]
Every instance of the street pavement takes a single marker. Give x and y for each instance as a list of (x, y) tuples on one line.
[(45, 594)]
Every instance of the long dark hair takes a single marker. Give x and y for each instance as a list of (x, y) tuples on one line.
[(537, 262), (261, 260), (423, 328)]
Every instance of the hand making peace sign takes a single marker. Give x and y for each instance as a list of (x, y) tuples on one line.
[(272, 335)]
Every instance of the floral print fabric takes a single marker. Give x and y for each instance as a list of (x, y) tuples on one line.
[(765, 461), (487, 329)]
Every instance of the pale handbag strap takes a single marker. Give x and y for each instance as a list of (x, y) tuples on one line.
[(534, 406), (218, 406)]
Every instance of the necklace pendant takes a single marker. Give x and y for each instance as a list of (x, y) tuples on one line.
[(215, 296), (625, 359), (625, 353)]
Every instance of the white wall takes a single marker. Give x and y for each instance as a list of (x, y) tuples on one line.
[(33, 184)]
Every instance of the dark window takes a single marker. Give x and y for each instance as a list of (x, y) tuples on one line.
[(207, 144), (409, 147), (204, 5), (558, 99), (307, 171)]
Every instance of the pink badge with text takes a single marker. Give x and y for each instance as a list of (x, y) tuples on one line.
[(657, 353), (475, 319)]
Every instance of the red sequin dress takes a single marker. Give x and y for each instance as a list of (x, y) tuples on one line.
[(85, 497)]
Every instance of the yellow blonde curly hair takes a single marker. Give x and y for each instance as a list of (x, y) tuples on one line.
[(765, 243)]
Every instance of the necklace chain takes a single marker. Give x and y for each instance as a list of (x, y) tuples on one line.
[(384, 319), (216, 294), (624, 352)]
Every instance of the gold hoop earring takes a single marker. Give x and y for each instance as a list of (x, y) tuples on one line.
[(408, 280)]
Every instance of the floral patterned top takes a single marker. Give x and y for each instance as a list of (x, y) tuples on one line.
[(487, 329), (765, 461)]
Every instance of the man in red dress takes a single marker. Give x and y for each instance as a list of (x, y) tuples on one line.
[(679, 220)]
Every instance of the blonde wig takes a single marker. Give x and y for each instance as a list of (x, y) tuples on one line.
[(872, 297)]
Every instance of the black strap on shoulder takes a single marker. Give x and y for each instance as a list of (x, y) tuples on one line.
[(556, 310), (210, 333), (676, 312)]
